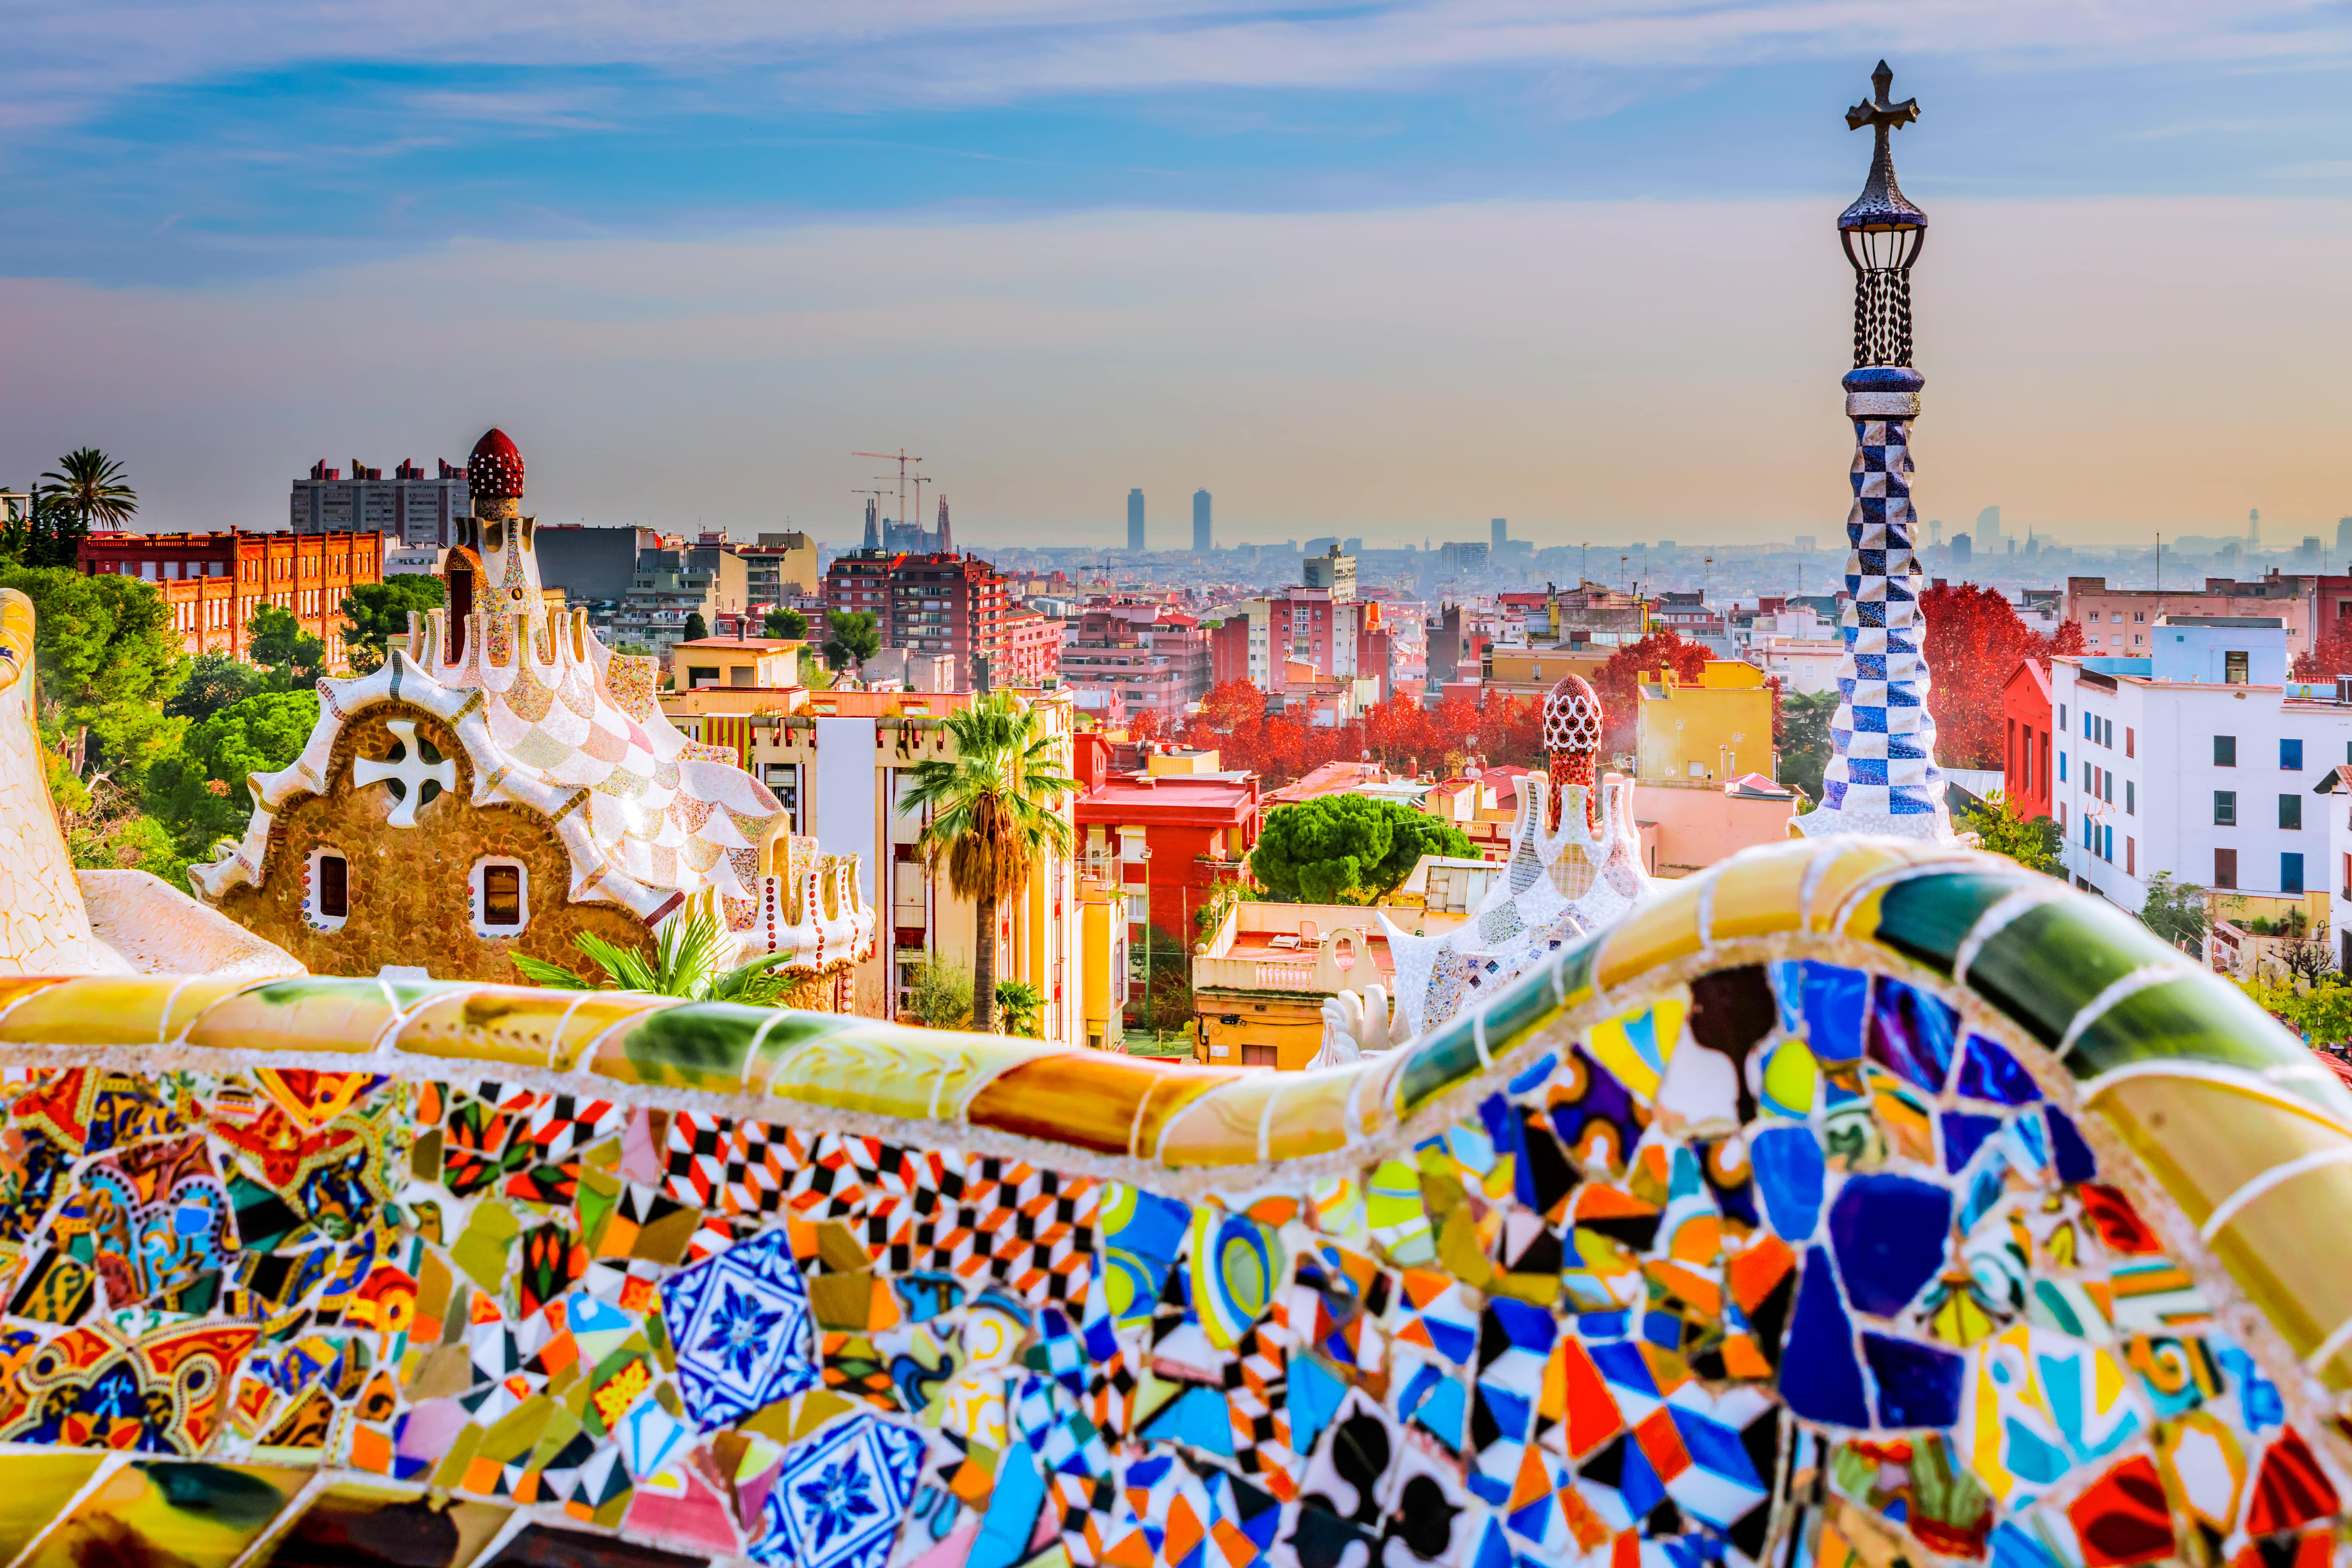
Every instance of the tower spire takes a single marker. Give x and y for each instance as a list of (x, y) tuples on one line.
[(1882, 775), (946, 538)]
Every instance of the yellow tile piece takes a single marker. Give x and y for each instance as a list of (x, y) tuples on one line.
[(1760, 891), (2205, 1141), (871, 1068), (14, 989), (1313, 1116), (92, 1010), (2285, 1249), (306, 1013), (1853, 864), (1090, 1099), (1636, 1047), (163, 1512), (40, 1486), (1221, 1127), (512, 1025), (1166, 1099), (1654, 934), (194, 996)]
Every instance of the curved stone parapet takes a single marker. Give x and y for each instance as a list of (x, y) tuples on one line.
[(1857, 1199)]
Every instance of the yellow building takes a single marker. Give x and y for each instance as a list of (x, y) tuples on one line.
[(1532, 672), (839, 762), (1717, 728), (1260, 979)]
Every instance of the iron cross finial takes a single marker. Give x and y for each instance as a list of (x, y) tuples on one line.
[(1877, 112)]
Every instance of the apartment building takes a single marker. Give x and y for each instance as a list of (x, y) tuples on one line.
[(2199, 760), (1127, 658), (410, 507), (212, 583), (2120, 622), (1304, 637)]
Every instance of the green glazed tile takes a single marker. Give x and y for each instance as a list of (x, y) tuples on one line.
[(702, 1044), (1575, 970), (1928, 917), (2045, 965), (2200, 1019), (1439, 1063), (1526, 1003)]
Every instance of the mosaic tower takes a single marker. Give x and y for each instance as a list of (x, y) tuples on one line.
[(1882, 775), (1572, 720)]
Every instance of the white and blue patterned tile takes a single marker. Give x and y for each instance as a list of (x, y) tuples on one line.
[(742, 1329)]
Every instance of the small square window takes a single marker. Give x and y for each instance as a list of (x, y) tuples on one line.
[(2225, 750), (2225, 808), (331, 887), (2291, 756), (2291, 812)]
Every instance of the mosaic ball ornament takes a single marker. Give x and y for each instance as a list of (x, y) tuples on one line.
[(1854, 1204)]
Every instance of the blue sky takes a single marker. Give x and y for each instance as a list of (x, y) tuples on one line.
[(181, 166)]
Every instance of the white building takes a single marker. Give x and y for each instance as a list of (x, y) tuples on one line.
[(2198, 761), (1804, 664)]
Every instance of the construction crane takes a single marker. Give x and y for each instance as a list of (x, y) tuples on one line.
[(900, 457)]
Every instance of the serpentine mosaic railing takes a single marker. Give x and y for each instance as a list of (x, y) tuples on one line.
[(1854, 1202)]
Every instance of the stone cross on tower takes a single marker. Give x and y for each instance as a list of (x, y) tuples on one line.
[(405, 768), (1882, 775)]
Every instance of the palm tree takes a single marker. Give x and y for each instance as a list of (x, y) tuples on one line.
[(684, 962), (992, 812), (89, 485)]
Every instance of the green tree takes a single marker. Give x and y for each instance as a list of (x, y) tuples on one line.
[(1347, 848), (781, 622), (379, 611), (850, 638), (108, 659), (2033, 844), (215, 681), (2320, 1011), (2175, 911), (992, 814), (275, 639), (941, 994), (42, 532), (1805, 747), (1021, 1007), (696, 629), (200, 791), (89, 487), (684, 962)]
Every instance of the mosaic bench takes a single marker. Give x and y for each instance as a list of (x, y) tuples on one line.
[(1853, 1203)]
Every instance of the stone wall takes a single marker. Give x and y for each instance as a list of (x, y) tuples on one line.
[(410, 900)]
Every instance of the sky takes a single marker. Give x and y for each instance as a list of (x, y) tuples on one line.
[(1388, 268)]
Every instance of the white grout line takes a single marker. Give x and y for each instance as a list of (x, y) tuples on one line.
[(2329, 1346), (2098, 1006), (2229, 1208), (1996, 920)]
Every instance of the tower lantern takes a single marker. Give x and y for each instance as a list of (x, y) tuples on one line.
[(1883, 232)]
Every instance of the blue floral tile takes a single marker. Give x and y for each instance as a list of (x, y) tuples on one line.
[(742, 1329), (841, 1497)]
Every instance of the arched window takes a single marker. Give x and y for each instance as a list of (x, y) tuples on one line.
[(327, 899), (501, 897)]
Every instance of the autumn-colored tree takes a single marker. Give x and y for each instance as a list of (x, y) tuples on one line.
[(2331, 658), (1616, 681), (1973, 642), (1147, 725)]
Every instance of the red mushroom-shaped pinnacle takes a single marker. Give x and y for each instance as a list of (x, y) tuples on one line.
[(495, 470), (1574, 724)]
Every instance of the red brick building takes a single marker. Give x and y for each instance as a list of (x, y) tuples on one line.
[(1165, 839), (2026, 757), (942, 602), (214, 582)]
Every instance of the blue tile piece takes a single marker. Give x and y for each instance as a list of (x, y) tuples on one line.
[(1198, 1419), (2014, 1546), (1889, 1233), (1639, 1484), (1819, 1376), (2075, 1162), (1833, 1001), (1314, 1396), (1964, 1135), (1918, 1385), (841, 1496), (1789, 1171), (1988, 1072), (1539, 1074), (1911, 1033)]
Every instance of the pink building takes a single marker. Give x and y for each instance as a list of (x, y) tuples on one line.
[(1122, 659)]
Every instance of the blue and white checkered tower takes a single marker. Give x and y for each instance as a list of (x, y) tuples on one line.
[(1882, 775)]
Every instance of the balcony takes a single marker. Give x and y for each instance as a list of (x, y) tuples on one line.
[(1308, 950)]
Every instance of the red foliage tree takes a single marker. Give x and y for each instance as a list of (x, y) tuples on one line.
[(1623, 672), (1147, 725), (2331, 658), (1400, 734), (1973, 643)]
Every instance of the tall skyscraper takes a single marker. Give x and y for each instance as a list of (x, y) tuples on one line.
[(1135, 520), (1989, 529), (1203, 542), (873, 526), (1502, 534), (2344, 537)]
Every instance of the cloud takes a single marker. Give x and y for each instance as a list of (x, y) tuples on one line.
[(66, 59), (1591, 370)]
